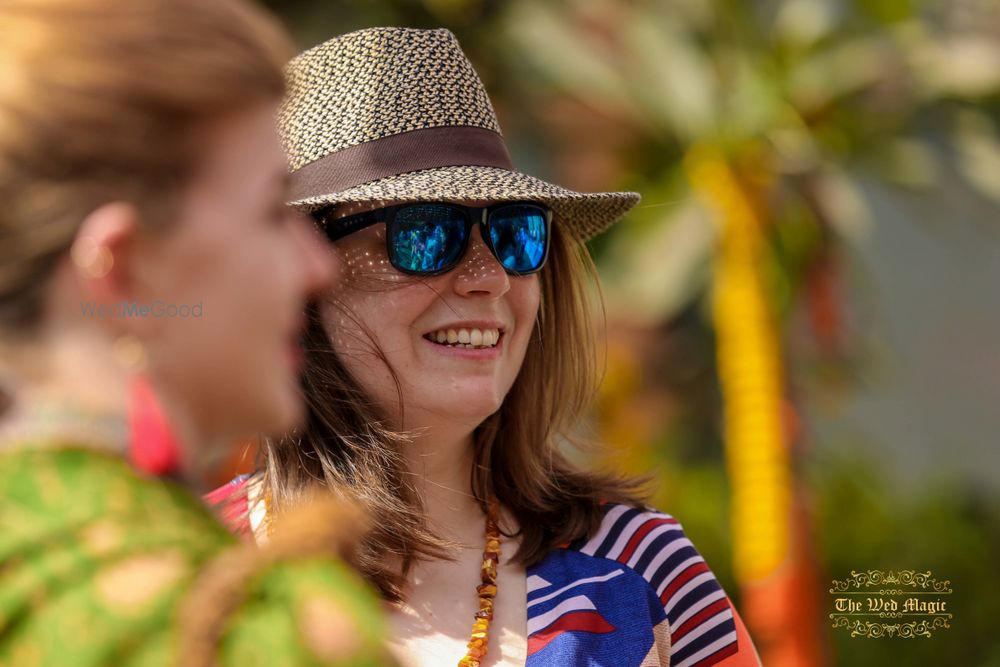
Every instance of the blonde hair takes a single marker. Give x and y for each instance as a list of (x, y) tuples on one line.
[(101, 100), (519, 451)]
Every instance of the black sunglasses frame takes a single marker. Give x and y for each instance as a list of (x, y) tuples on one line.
[(337, 228)]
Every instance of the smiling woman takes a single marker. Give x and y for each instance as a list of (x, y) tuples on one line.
[(449, 371)]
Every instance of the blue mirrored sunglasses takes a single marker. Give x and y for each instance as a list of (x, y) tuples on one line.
[(430, 238)]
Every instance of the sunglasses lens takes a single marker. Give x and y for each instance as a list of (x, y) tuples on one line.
[(427, 238), (520, 236)]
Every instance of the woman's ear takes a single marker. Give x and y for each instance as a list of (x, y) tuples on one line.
[(101, 251)]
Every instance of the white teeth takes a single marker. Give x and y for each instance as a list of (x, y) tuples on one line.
[(468, 338)]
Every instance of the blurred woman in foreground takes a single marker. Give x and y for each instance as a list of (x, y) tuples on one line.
[(151, 289)]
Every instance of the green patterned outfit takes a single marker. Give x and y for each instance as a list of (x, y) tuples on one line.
[(100, 566)]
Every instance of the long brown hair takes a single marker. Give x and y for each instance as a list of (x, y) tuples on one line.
[(102, 100), (519, 450)]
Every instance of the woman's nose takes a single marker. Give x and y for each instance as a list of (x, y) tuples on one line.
[(480, 272), (321, 269)]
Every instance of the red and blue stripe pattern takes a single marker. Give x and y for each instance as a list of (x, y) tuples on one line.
[(635, 592)]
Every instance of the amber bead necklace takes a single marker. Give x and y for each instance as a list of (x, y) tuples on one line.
[(487, 590)]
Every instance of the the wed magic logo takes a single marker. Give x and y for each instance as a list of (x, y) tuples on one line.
[(895, 603)]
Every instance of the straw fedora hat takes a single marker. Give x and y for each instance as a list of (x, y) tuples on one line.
[(399, 114)]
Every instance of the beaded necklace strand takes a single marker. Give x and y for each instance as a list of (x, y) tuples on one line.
[(486, 591)]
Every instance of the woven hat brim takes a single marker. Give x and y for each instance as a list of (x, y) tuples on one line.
[(583, 214)]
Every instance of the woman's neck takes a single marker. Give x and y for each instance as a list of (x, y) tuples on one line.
[(442, 464), (200, 454)]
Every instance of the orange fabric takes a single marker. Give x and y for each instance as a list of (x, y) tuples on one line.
[(784, 608), (746, 656)]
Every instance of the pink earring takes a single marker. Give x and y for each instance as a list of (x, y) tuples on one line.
[(153, 449)]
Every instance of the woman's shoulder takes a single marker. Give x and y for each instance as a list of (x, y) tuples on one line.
[(623, 528), (142, 557), (61, 486), (642, 556)]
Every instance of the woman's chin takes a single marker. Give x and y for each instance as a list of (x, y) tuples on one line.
[(284, 412), (467, 406)]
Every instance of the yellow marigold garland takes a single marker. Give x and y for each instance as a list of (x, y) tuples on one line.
[(750, 372)]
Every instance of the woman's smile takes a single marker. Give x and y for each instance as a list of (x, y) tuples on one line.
[(475, 340)]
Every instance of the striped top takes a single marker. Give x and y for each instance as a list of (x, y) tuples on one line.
[(632, 595), (636, 594)]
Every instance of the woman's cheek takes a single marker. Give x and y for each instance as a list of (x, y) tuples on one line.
[(369, 272), (364, 313)]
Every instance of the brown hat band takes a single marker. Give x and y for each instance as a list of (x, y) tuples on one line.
[(429, 148)]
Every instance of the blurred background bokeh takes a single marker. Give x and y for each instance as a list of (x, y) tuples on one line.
[(802, 322)]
